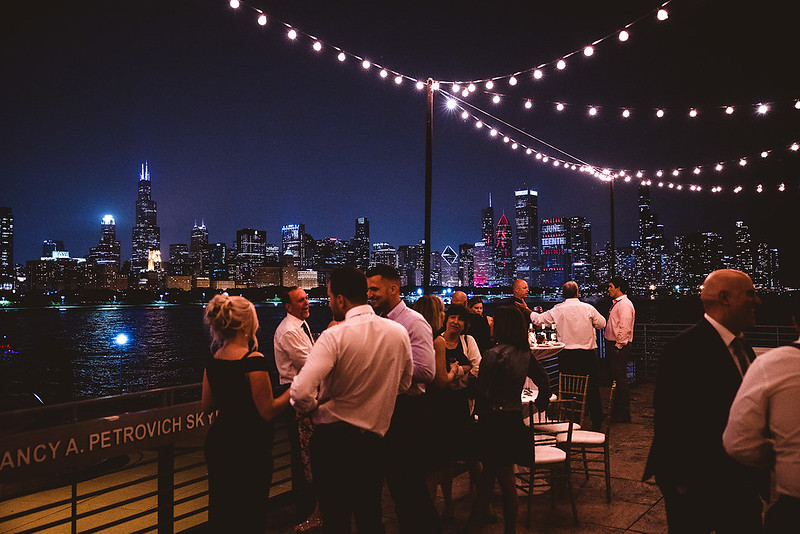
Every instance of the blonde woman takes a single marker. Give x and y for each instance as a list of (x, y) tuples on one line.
[(238, 446)]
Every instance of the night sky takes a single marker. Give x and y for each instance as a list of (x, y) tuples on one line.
[(244, 128)]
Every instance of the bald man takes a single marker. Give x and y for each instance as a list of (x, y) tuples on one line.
[(699, 374)]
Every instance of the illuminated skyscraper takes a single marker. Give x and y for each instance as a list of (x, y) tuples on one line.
[(198, 249), (503, 259), (554, 260), (146, 233), (360, 243), (744, 260), (6, 249), (526, 219), (486, 273), (108, 250)]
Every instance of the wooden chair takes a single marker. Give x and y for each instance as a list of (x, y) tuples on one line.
[(593, 446), (548, 464), (575, 387)]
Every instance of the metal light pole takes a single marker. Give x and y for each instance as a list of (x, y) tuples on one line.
[(426, 271), (613, 259)]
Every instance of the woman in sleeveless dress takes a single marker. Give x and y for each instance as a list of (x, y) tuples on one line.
[(238, 445)]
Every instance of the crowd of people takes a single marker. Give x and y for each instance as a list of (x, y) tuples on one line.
[(395, 395)]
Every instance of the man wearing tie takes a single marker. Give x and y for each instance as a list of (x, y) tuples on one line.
[(292, 344), (699, 374)]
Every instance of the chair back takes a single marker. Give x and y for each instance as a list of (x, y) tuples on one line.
[(574, 387)]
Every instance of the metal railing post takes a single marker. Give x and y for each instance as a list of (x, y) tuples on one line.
[(166, 489), (74, 507)]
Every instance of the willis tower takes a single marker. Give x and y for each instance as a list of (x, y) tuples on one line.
[(146, 233)]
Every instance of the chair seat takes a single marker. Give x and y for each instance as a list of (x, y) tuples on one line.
[(583, 437), (554, 428), (549, 455)]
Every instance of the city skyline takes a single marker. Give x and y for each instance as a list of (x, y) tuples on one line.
[(243, 128)]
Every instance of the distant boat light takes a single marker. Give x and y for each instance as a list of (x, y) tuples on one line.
[(121, 339)]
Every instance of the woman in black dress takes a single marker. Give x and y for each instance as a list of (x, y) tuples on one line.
[(238, 446), (502, 434), (458, 358)]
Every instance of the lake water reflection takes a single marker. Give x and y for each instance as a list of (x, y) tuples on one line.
[(72, 353)]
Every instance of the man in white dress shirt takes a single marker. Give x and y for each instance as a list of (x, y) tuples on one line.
[(577, 323), (407, 437), (619, 335), (764, 427), (350, 383), (292, 343)]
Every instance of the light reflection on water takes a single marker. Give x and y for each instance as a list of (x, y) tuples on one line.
[(70, 353)]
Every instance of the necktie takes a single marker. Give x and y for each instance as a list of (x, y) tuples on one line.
[(307, 331), (741, 353)]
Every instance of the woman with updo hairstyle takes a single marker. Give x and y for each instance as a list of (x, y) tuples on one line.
[(238, 446)]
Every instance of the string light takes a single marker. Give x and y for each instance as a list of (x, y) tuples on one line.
[(470, 87)]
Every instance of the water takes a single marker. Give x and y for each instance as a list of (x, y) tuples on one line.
[(71, 353)]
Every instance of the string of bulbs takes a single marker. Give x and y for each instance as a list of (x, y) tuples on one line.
[(569, 162)]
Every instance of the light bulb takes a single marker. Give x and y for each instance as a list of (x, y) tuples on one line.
[(593, 111), (292, 34), (384, 73), (782, 187), (742, 162), (398, 79), (623, 36), (659, 173), (696, 170), (764, 154), (451, 104), (588, 51), (662, 14), (537, 74), (639, 174), (729, 110), (512, 81), (366, 64), (317, 46), (718, 167), (262, 19), (435, 86), (456, 88), (235, 4), (489, 84), (763, 108), (626, 113), (506, 139), (479, 125), (797, 104), (464, 115), (561, 65), (693, 113), (493, 132), (528, 151), (660, 113), (420, 85), (528, 104), (675, 172), (471, 88), (515, 146), (794, 147), (496, 99), (560, 106), (341, 56), (465, 93)]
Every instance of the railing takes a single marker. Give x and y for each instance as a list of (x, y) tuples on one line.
[(649, 340), (132, 463), (159, 483)]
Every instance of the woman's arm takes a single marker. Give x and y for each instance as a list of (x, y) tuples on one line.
[(207, 402), (443, 375), (261, 389)]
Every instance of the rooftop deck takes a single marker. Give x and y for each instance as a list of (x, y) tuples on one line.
[(635, 507)]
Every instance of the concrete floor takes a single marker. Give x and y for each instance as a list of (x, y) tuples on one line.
[(635, 506)]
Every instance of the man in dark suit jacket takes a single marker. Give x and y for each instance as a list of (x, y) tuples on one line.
[(698, 376)]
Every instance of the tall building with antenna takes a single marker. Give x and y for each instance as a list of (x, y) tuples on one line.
[(146, 233)]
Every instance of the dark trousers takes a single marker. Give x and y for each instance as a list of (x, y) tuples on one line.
[(302, 490), (618, 368), (725, 510), (347, 466), (783, 517), (584, 362), (405, 473)]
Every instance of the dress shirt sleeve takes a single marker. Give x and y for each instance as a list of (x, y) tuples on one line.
[(424, 359), (623, 324), (542, 318), (321, 359), (408, 367), (598, 321), (295, 344), (746, 436), (473, 354)]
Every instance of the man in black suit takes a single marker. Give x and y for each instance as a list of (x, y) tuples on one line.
[(698, 376)]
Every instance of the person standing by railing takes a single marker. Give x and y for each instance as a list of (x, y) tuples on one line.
[(238, 445), (619, 335)]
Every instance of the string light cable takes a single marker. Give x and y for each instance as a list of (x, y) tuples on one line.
[(664, 179)]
